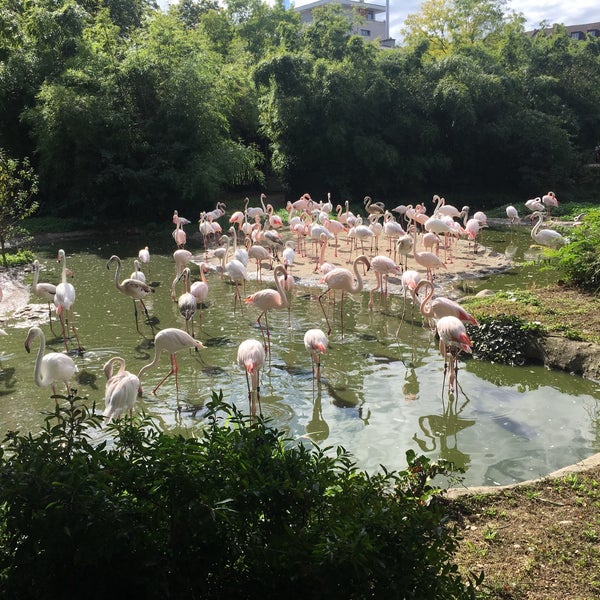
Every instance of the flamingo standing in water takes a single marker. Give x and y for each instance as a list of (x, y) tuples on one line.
[(199, 290), (251, 358), (343, 280), (64, 299), (121, 390), (144, 258), (186, 303), (269, 299), (433, 309), (546, 237), (315, 342), (52, 367), (45, 291), (170, 340), (453, 340), (513, 214), (133, 288)]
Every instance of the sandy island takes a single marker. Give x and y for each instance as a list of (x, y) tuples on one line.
[(465, 264)]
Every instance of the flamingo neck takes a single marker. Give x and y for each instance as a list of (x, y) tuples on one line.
[(279, 270), (37, 372), (358, 286)]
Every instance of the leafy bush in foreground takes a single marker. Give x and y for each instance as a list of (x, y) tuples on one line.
[(240, 512)]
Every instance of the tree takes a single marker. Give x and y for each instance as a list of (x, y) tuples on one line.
[(18, 186)]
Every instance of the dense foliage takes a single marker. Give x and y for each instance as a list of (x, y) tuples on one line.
[(240, 512), (18, 188), (580, 259), (126, 109)]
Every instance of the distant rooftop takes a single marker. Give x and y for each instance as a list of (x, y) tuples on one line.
[(577, 32)]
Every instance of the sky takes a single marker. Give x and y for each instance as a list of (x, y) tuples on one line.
[(567, 12)]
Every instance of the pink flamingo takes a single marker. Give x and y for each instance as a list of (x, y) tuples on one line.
[(237, 272), (428, 260), (258, 253), (453, 339), (121, 390), (170, 340), (199, 289), (315, 342), (144, 258), (251, 357), (186, 303), (512, 214), (342, 279), (383, 267), (433, 309), (336, 228), (269, 299)]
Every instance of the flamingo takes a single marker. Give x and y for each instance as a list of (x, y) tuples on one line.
[(239, 252), (253, 212), (315, 342), (133, 288), (433, 309), (535, 205), (45, 291), (186, 303), (513, 214), (237, 273), (199, 290), (404, 245), (342, 279), (383, 267), (120, 391), (222, 252), (336, 228), (138, 273), (453, 339), (546, 237), (373, 208), (251, 357), (550, 201), (289, 255), (258, 253), (392, 231), (178, 233), (428, 260), (52, 367), (144, 257), (64, 298), (317, 231), (269, 299), (171, 340), (182, 258), (410, 279), (441, 208)]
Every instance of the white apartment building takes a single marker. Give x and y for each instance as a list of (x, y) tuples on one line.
[(375, 23)]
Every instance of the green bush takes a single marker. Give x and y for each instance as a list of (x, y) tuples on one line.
[(240, 512), (19, 258), (580, 259)]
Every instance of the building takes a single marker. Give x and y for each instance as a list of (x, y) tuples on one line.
[(375, 24), (576, 32)]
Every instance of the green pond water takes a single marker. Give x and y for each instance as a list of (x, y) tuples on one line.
[(379, 395)]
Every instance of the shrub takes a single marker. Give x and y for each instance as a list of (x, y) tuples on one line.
[(240, 512), (580, 259), (502, 339)]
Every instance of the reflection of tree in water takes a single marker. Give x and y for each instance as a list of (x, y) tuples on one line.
[(444, 428)]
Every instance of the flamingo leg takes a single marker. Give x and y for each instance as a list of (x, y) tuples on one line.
[(342, 313), (171, 372), (324, 313)]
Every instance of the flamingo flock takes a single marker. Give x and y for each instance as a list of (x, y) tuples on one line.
[(356, 262)]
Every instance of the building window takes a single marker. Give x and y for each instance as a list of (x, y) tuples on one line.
[(365, 32), (577, 35), (594, 32), (370, 16)]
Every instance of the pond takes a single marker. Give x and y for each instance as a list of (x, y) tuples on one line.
[(379, 394)]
